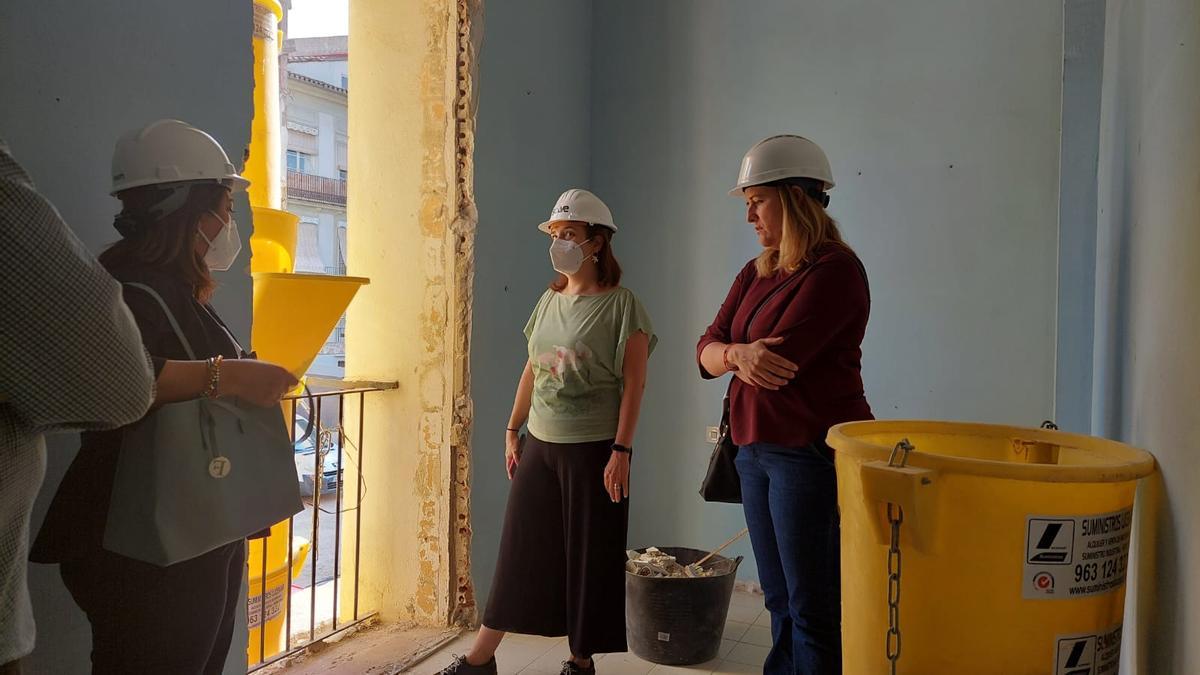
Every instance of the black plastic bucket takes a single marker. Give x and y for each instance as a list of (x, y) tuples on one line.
[(678, 621)]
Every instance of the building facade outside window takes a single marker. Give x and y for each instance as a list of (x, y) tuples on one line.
[(301, 162), (315, 128)]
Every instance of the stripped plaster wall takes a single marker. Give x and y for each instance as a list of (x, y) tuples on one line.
[(413, 236), (469, 33)]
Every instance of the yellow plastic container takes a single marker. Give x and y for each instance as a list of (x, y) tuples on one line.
[(262, 166), (1013, 547), (277, 549), (273, 244), (294, 314), (274, 607)]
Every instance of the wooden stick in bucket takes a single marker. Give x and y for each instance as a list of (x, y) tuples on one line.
[(696, 566)]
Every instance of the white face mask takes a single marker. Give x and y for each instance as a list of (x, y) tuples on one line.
[(566, 256), (223, 250)]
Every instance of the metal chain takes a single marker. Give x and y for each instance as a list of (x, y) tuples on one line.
[(895, 516)]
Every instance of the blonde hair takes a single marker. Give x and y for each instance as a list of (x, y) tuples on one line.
[(806, 227)]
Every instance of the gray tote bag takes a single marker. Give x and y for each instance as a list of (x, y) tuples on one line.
[(196, 475)]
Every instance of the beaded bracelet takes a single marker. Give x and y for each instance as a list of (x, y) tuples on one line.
[(725, 359)]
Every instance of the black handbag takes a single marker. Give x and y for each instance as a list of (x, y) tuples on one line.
[(722, 483)]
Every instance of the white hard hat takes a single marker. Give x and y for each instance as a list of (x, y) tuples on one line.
[(780, 157), (170, 151), (577, 204)]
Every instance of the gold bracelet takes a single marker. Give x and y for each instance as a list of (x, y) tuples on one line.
[(214, 377)]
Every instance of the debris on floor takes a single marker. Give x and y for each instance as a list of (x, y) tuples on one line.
[(655, 563)]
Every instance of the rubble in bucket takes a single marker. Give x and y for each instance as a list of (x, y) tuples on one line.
[(655, 563)]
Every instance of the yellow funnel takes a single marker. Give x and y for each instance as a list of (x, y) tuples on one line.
[(294, 314), (273, 243)]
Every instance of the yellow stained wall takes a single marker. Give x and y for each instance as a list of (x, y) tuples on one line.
[(412, 236)]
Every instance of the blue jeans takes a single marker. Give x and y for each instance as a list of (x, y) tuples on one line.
[(790, 499)]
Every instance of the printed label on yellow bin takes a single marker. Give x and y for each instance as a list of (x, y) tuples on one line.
[(1075, 556), (272, 606), (1088, 654)]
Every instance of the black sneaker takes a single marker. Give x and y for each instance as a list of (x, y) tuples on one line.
[(572, 668), (461, 667)]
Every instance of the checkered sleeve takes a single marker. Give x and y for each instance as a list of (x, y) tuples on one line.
[(71, 353)]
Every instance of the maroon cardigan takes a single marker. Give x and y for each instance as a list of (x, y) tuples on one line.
[(821, 316)]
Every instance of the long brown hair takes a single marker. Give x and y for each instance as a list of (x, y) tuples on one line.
[(167, 242), (807, 226), (608, 270)]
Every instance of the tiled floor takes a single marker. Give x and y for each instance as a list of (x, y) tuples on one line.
[(743, 649)]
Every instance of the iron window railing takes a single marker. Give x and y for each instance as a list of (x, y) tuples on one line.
[(318, 415)]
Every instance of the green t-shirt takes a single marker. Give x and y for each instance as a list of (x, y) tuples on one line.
[(577, 350)]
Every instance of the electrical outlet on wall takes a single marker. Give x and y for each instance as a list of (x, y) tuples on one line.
[(713, 433)]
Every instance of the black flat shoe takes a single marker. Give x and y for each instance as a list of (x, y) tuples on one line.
[(571, 668), (461, 667)]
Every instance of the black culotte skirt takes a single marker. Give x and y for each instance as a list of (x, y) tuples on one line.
[(561, 569)]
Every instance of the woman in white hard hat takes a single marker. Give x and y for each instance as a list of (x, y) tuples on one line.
[(175, 184), (790, 331), (561, 568)]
